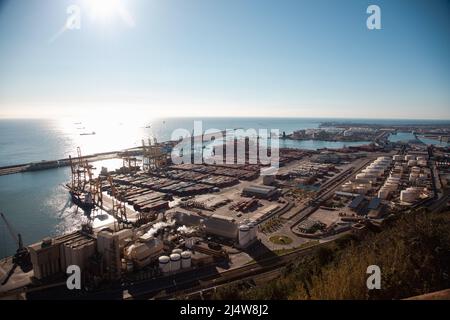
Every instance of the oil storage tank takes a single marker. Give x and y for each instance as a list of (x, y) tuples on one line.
[(175, 262), (185, 259), (244, 235), (164, 264)]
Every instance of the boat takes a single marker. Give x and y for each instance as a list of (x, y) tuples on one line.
[(82, 199), (87, 133)]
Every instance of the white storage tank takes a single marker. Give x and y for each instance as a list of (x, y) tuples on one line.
[(410, 157), (175, 262), (409, 195), (397, 157), (164, 264), (244, 235), (362, 189), (383, 193), (179, 251), (185, 259)]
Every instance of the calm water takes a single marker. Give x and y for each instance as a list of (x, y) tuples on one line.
[(37, 205)]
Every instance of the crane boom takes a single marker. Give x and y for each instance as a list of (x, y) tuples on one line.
[(11, 230)]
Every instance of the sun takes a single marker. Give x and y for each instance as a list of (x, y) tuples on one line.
[(103, 9)]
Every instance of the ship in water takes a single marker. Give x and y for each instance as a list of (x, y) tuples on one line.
[(80, 187), (87, 133)]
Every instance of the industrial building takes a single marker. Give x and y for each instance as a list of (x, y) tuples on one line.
[(260, 191), (52, 256)]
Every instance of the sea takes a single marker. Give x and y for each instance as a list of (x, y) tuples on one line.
[(36, 203)]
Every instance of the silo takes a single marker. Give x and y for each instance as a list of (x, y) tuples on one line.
[(383, 193), (164, 264), (185, 259), (252, 226), (244, 235), (175, 262), (177, 251)]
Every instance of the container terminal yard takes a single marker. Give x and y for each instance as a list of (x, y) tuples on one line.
[(154, 229)]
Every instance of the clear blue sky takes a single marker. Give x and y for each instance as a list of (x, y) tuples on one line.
[(311, 58)]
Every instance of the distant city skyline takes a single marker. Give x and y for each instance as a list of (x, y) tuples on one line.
[(248, 58)]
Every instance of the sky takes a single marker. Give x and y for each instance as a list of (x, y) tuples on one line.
[(265, 58)]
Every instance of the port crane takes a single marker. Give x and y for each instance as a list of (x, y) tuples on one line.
[(77, 188), (119, 210), (153, 157), (22, 256)]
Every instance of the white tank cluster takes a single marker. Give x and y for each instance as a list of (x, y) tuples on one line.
[(247, 233), (369, 175), (389, 186), (176, 261)]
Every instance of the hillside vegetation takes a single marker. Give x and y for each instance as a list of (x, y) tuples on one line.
[(413, 252)]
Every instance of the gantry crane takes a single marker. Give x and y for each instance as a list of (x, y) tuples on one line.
[(119, 210), (22, 256), (153, 157)]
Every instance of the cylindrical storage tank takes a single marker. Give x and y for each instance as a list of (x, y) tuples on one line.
[(408, 195), (244, 235), (397, 157), (361, 176), (164, 264), (175, 262), (185, 259), (179, 251), (410, 157)]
